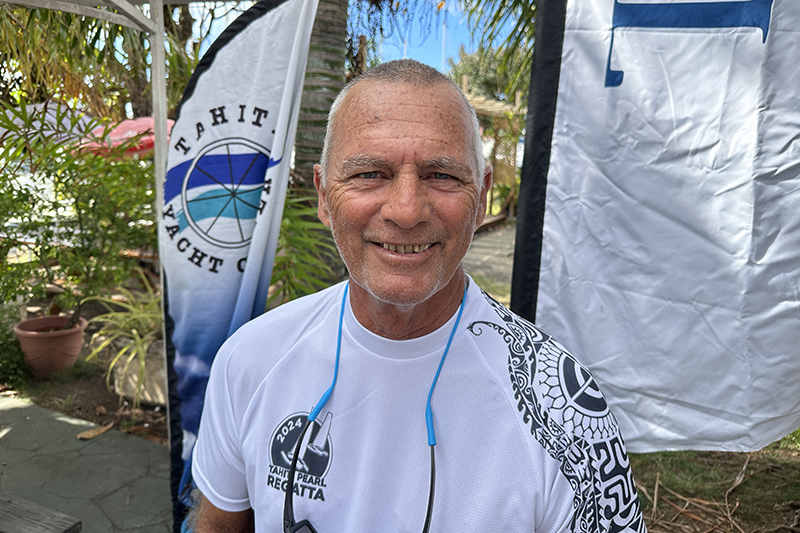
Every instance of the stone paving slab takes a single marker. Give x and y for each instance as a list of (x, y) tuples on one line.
[(491, 255), (114, 483)]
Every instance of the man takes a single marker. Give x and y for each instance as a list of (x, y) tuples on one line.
[(408, 354)]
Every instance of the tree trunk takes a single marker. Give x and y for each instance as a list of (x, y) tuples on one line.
[(324, 79)]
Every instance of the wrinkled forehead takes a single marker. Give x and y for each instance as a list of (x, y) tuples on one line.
[(373, 101), (388, 92)]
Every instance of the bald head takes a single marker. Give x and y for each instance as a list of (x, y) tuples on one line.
[(415, 74)]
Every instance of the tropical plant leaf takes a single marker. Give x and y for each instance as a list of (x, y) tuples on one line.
[(509, 26), (134, 322)]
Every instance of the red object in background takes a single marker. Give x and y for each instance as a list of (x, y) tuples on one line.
[(125, 130)]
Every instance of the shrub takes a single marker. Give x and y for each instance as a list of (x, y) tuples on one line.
[(71, 217), (14, 370)]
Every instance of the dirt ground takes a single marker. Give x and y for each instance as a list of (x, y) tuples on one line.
[(87, 397), (724, 492), (81, 392)]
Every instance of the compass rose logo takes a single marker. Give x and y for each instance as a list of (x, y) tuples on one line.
[(222, 190)]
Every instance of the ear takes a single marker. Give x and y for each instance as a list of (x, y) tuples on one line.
[(486, 182), (322, 199)]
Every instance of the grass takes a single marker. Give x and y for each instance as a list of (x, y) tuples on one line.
[(499, 291), (738, 492), (67, 403), (81, 370)]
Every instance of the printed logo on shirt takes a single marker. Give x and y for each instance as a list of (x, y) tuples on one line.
[(314, 457), (562, 405), (580, 388)]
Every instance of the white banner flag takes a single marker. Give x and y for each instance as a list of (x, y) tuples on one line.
[(227, 173), (670, 255)]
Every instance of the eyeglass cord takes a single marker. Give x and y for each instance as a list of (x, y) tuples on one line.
[(288, 504)]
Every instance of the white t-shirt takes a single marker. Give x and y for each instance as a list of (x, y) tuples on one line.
[(525, 440)]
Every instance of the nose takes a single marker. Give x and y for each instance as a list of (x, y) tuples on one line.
[(407, 203)]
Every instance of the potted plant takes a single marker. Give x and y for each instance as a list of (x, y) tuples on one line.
[(131, 331), (50, 343), (74, 220)]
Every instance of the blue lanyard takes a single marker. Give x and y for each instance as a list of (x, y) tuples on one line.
[(428, 411)]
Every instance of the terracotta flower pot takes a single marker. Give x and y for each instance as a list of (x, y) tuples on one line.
[(47, 347)]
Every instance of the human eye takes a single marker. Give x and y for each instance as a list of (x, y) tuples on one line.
[(371, 175), (443, 176), (365, 179), (364, 175), (443, 180)]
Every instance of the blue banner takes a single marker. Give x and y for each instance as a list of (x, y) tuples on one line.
[(227, 173)]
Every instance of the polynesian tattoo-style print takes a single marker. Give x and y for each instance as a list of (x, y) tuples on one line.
[(567, 414)]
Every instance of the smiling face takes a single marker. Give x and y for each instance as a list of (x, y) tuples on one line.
[(402, 193)]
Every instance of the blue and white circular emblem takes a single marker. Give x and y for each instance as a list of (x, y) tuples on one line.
[(222, 190)]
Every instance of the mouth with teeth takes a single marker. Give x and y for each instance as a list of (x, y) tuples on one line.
[(408, 249)]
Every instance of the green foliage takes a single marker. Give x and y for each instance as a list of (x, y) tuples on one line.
[(54, 54), (367, 19), (128, 329), (66, 403), (27, 67), (47, 54), (71, 217), (509, 26), (498, 290), (14, 371), (486, 76), (498, 197), (305, 251), (790, 441), (180, 68), (689, 472)]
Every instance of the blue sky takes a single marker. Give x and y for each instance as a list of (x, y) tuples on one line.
[(431, 45)]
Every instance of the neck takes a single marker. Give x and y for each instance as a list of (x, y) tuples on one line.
[(400, 322)]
